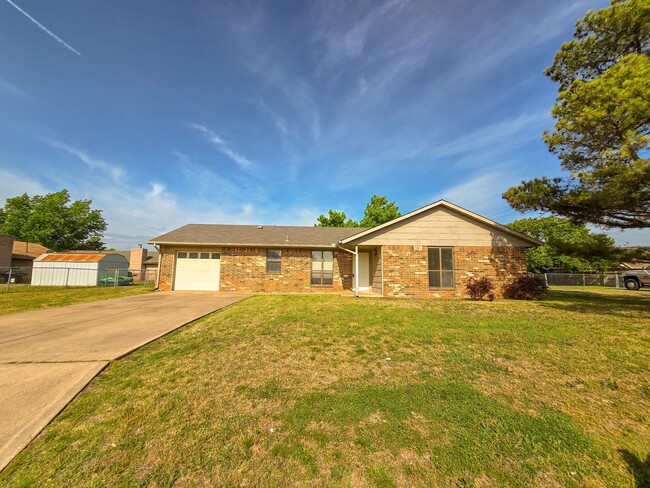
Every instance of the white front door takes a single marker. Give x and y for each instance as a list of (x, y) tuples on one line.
[(197, 270), (363, 271)]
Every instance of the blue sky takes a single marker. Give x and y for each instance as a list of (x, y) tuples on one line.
[(165, 113)]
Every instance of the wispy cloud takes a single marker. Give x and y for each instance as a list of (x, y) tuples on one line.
[(115, 171), (504, 134), (41, 26), (214, 138), (279, 121), (13, 89), (481, 194), (13, 184)]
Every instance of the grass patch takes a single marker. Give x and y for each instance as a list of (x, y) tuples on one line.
[(22, 298), (327, 390)]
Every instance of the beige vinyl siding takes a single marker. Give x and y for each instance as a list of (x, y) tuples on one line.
[(375, 271), (441, 227)]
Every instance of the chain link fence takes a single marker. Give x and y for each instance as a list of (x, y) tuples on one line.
[(74, 276), (584, 279)]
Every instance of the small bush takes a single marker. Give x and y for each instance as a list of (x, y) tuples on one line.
[(527, 287), (477, 289)]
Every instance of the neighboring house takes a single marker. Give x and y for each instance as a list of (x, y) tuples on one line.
[(18, 253), (17, 256), (77, 268), (430, 252), (141, 261)]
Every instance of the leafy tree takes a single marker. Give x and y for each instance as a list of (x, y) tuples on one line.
[(335, 219), (602, 129), (567, 245), (53, 221), (379, 211)]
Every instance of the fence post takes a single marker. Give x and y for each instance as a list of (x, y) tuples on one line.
[(616, 280), (583, 280), (67, 276), (117, 273), (8, 279), (546, 279)]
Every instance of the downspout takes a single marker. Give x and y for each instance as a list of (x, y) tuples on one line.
[(158, 273), (356, 261)]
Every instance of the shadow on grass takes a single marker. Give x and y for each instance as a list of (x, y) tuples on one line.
[(593, 302), (639, 468)]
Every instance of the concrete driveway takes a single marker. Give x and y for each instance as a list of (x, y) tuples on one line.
[(48, 356)]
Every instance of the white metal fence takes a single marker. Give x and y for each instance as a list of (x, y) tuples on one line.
[(584, 279), (71, 276)]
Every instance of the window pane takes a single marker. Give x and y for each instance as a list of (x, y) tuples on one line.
[(317, 255), (216, 255), (182, 255), (434, 258), (448, 279), (434, 279), (328, 256), (274, 254), (205, 255), (194, 255), (447, 258), (273, 266), (315, 279), (327, 278), (328, 266)]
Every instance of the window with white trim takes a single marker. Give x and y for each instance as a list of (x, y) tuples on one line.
[(441, 267), (322, 268)]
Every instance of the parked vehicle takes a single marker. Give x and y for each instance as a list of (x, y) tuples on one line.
[(121, 280), (636, 278)]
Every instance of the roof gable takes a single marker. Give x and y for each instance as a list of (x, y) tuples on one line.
[(419, 213)]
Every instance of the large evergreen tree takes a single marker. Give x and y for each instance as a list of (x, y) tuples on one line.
[(602, 128)]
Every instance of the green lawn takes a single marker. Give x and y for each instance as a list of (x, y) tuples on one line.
[(336, 391), (21, 298)]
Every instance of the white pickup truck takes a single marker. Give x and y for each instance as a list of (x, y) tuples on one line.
[(636, 278)]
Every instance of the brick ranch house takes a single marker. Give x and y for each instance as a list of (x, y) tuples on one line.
[(430, 252)]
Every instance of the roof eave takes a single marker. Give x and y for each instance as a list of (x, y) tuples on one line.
[(242, 244)]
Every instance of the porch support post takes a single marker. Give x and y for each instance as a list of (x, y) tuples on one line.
[(356, 270)]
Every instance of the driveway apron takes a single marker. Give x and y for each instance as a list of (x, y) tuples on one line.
[(48, 356)]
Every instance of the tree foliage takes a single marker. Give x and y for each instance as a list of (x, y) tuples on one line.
[(377, 212), (53, 221), (602, 128), (567, 246), (335, 218)]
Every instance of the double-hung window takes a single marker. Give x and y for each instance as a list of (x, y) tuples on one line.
[(441, 267), (273, 261), (322, 268)]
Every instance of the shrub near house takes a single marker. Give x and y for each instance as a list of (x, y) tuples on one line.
[(431, 252)]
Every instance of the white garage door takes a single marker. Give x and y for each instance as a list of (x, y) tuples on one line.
[(197, 270)]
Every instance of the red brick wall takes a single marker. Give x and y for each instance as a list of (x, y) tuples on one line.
[(406, 269), (166, 272), (244, 269)]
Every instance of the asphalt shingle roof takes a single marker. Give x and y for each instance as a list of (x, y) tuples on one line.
[(253, 235)]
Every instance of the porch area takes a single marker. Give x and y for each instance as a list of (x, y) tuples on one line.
[(367, 278)]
